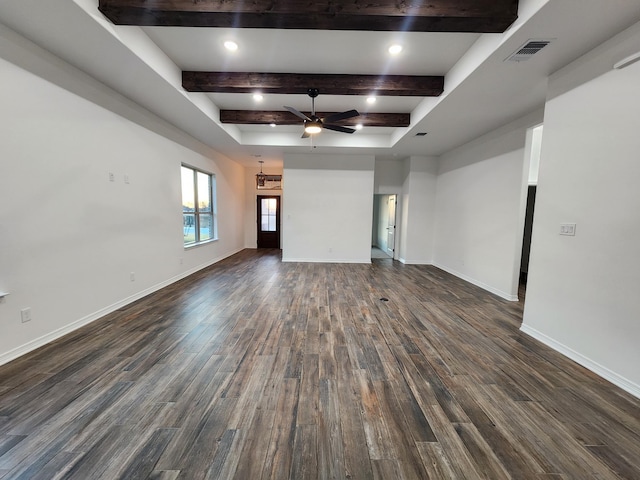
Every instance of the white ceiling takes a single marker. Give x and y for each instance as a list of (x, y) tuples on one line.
[(482, 92), (311, 51)]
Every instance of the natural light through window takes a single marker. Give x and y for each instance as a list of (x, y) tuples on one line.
[(198, 206), (268, 220)]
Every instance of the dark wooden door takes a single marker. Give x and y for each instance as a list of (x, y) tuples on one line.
[(528, 227), (268, 221)]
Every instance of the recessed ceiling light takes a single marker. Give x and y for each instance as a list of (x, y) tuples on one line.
[(359, 126), (395, 49), (231, 45), (257, 97), (371, 99)]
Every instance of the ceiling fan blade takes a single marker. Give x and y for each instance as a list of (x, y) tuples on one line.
[(341, 116), (339, 128), (297, 113)]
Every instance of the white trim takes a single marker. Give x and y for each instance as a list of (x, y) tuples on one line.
[(402, 260), (323, 260), (604, 372), (60, 332), (477, 283), (631, 59)]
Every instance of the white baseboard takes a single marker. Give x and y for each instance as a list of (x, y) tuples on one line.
[(478, 283), (604, 372), (60, 332), (323, 260)]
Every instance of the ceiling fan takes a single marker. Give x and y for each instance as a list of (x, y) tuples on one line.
[(314, 124)]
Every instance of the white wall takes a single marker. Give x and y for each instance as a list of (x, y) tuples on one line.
[(420, 188), (250, 202), (481, 195), (413, 179), (327, 208), (403, 213), (389, 176), (69, 238), (582, 294)]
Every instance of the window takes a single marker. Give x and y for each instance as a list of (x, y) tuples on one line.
[(268, 214), (198, 206)]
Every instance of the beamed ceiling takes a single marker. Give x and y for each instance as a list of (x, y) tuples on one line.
[(254, 117), (477, 16), (166, 61), (480, 16), (328, 84)]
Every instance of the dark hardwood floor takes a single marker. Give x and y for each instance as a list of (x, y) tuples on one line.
[(257, 369)]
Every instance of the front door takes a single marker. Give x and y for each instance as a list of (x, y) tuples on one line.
[(268, 221), (391, 228)]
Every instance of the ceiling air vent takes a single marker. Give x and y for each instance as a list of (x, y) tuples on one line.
[(528, 50), (421, 134)]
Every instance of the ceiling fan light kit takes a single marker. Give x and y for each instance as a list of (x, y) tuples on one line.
[(314, 125)]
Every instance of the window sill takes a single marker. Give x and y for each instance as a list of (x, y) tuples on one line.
[(199, 244)]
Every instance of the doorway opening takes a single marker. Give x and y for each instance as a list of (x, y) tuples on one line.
[(533, 150), (383, 234), (268, 213), (526, 239)]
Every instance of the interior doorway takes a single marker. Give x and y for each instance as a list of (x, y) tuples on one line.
[(533, 149), (526, 241), (391, 225), (268, 213), (383, 233)]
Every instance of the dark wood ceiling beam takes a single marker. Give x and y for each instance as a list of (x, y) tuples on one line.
[(480, 16), (327, 84), (253, 117)]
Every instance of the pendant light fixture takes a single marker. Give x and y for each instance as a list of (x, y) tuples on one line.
[(261, 178), (265, 181)]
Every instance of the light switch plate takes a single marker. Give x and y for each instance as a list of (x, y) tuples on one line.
[(568, 229)]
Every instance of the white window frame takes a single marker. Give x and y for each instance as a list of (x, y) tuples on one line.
[(196, 213)]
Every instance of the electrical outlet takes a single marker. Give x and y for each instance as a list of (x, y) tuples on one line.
[(112, 177), (25, 315), (132, 276)]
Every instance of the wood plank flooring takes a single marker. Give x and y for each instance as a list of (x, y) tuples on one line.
[(258, 369)]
